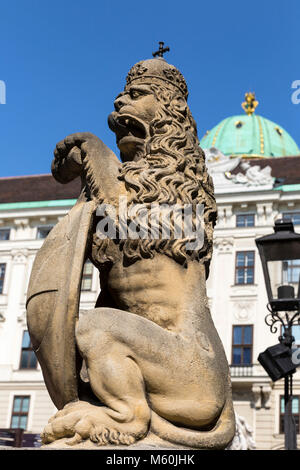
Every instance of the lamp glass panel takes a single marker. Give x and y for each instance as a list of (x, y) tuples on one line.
[(284, 273)]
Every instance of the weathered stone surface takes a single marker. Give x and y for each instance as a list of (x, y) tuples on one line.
[(148, 357), (150, 442)]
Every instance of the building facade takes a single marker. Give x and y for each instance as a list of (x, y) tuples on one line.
[(255, 166)]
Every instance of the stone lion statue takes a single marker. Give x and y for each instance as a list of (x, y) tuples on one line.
[(147, 359)]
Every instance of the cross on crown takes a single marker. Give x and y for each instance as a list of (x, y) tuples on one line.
[(161, 51)]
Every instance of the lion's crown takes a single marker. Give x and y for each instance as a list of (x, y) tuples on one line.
[(157, 70)]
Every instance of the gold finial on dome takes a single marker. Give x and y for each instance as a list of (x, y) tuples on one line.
[(250, 103)]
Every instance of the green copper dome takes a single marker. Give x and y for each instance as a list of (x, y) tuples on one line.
[(250, 135)]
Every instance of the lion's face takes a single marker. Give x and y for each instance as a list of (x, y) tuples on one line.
[(135, 108)]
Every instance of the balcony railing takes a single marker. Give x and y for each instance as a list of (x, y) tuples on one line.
[(241, 370)]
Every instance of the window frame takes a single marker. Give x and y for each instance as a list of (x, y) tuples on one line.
[(242, 345), (244, 214), (289, 215), (20, 414), (236, 267), (2, 279), (281, 415), (5, 229), (28, 349), (87, 276), (43, 227)]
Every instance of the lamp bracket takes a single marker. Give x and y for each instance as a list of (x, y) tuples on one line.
[(284, 318)]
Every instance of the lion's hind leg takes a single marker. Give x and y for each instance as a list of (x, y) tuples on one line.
[(117, 381)]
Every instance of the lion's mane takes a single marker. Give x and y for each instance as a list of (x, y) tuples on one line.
[(172, 171)]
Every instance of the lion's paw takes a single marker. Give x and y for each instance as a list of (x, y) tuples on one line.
[(80, 421)]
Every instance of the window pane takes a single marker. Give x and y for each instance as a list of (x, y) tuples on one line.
[(240, 275), (247, 334), (86, 284), (88, 268), (15, 422), (4, 234), (25, 405), (24, 359), (23, 422), (26, 340), (282, 407), (2, 275), (240, 259), (295, 405), (296, 333), (32, 360), (249, 275), (17, 405), (249, 259), (247, 356), (237, 355), (237, 335), (292, 267), (42, 232)]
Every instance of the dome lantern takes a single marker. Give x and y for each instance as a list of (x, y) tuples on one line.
[(250, 103), (250, 135)]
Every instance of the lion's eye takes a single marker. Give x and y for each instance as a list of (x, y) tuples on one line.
[(135, 94)]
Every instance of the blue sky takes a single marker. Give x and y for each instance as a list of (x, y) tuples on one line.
[(64, 62)]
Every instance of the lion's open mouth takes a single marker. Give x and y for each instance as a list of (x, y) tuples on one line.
[(125, 125)]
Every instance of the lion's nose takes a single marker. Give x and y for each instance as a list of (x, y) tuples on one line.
[(119, 102)]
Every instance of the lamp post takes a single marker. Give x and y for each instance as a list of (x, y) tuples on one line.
[(278, 252)]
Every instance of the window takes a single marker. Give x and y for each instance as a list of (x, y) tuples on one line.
[(43, 231), (2, 276), (87, 276), (294, 216), (245, 220), (244, 267), (28, 358), (291, 271), (4, 234), (295, 413), (242, 342), (20, 411)]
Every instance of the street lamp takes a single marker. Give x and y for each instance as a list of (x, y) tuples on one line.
[(280, 257)]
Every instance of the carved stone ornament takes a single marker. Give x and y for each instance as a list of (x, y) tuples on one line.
[(19, 256), (224, 245), (253, 176), (257, 396), (243, 311), (21, 223), (147, 360), (267, 390), (243, 438)]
